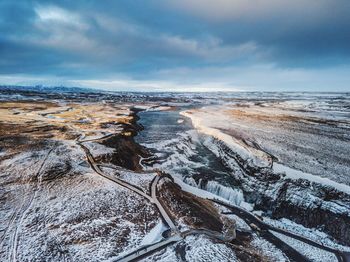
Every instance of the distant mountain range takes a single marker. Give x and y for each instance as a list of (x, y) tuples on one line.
[(46, 89)]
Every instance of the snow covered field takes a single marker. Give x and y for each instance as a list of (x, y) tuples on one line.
[(54, 207), (295, 153), (75, 186)]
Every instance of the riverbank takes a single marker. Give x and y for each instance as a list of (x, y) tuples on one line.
[(248, 143)]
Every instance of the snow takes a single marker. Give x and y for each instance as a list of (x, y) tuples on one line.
[(258, 158), (203, 249), (313, 253), (2, 152), (180, 121), (83, 216), (142, 107), (247, 206), (98, 149), (159, 108), (178, 152), (209, 195), (165, 255), (310, 233), (268, 249), (297, 174), (308, 137), (150, 107), (21, 159), (72, 213), (194, 248), (240, 223), (197, 191), (234, 196), (155, 234), (142, 180)]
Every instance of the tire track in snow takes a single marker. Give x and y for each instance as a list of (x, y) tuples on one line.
[(14, 244)]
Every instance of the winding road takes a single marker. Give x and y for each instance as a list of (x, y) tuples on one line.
[(146, 250), (175, 234), (160, 207), (97, 169), (263, 229)]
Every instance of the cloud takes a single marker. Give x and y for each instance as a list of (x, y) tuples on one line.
[(122, 84), (224, 43), (62, 29), (53, 15), (265, 77), (293, 33), (210, 49), (109, 40), (223, 10)]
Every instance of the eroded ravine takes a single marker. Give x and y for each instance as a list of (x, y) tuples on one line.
[(175, 148), (174, 236), (167, 123)]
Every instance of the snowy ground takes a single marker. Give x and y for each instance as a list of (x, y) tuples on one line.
[(195, 248), (72, 213), (142, 180), (296, 149), (302, 138), (54, 207)]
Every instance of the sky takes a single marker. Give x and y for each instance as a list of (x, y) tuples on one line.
[(177, 45)]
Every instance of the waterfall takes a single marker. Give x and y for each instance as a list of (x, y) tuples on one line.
[(235, 196)]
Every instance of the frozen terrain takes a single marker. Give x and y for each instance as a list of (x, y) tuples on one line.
[(89, 176), (54, 207), (290, 157)]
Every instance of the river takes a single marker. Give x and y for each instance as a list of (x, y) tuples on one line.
[(180, 151)]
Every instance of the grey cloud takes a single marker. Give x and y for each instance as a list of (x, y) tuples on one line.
[(139, 39)]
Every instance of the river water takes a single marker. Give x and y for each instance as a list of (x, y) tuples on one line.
[(180, 151)]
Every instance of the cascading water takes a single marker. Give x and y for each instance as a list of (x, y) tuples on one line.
[(179, 151)]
